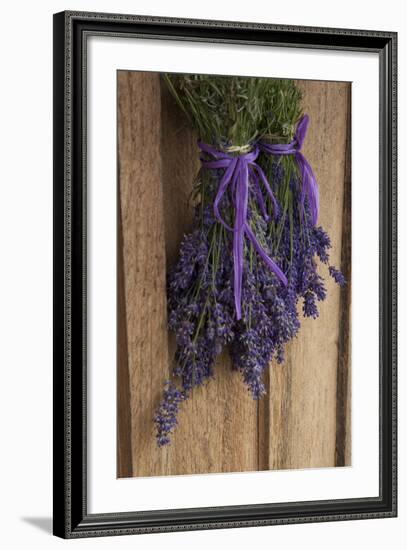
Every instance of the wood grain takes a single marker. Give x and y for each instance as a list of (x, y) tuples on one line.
[(221, 428)]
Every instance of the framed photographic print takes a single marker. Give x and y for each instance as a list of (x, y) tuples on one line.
[(224, 274)]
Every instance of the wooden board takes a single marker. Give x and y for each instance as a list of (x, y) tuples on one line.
[(303, 391), (304, 419)]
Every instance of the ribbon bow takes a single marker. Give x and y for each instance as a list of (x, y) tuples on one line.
[(309, 182), (239, 170)]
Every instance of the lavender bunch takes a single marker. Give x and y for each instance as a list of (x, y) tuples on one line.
[(235, 113)]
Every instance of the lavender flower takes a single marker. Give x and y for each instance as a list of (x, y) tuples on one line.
[(166, 416), (337, 276)]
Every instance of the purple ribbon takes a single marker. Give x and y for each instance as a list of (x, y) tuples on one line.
[(239, 170), (309, 183)]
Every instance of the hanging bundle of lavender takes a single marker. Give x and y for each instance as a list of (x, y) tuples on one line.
[(251, 254)]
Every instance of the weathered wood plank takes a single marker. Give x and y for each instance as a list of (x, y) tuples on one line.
[(343, 391), (139, 135), (303, 391), (123, 405), (217, 429)]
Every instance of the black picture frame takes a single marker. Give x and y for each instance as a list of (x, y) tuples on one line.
[(71, 519)]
